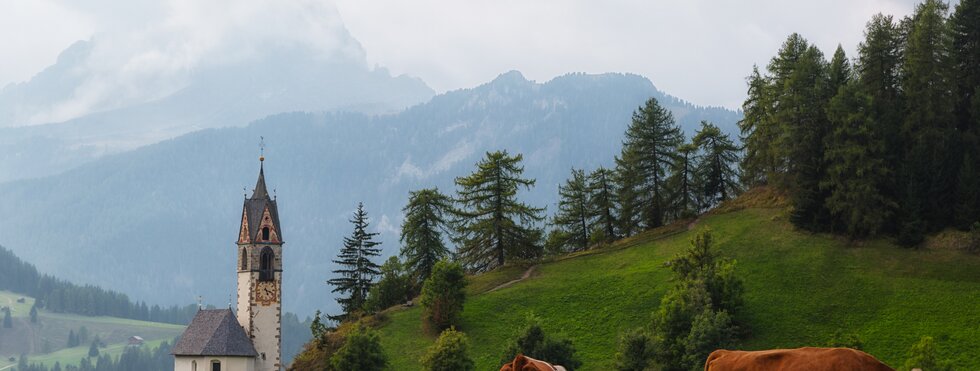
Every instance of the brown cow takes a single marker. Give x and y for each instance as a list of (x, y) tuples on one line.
[(522, 363), (805, 359)]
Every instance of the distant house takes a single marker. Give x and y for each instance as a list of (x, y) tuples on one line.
[(135, 341), (21, 300)]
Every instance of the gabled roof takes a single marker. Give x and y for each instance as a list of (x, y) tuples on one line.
[(214, 332)]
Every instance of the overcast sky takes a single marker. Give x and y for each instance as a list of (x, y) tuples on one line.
[(698, 50)]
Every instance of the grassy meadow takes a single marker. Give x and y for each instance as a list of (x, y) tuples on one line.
[(800, 289)]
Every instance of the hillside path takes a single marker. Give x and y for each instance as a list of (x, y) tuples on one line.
[(530, 270), (527, 273)]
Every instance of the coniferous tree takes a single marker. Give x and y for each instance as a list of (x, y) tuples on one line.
[(603, 200), (800, 94), (877, 75), (426, 219), (857, 168), (716, 167), (759, 133), (652, 138), (628, 197), (34, 313), (964, 28), (357, 271), (683, 182), (493, 226), (575, 215), (839, 71), (928, 125)]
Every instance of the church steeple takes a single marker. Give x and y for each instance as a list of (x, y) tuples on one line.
[(260, 215), (260, 191)]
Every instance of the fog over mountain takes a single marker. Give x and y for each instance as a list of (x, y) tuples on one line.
[(119, 91), (159, 222)]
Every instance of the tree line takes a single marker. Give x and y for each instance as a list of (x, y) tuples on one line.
[(60, 296), (132, 358), (886, 143)]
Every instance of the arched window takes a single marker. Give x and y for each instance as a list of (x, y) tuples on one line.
[(215, 365), (265, 234), (266, 264), (244, 258), (193, 365)]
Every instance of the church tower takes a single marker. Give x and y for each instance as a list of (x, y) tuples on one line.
[(260, 275)]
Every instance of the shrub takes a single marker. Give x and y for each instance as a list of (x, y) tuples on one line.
[(532, 341), (392, 289), (635, 351), (360, 352), (845, 340), (443, 296), (925, 355), (449, 353)]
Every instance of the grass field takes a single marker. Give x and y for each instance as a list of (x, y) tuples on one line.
[(800, 289), (9, 299), (45, 341)]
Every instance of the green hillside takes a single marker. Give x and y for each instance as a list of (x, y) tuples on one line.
[(46, 341), (800, 289)]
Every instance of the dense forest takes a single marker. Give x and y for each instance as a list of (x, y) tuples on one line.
[(61, 296), (886, 143)]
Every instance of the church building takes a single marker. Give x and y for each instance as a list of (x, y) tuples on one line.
[(248, 339)]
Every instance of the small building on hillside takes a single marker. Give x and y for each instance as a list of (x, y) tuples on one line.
[(135, 341), (214, 341)]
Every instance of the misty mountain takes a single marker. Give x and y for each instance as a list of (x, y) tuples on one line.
[(159, 222), (276, 78)]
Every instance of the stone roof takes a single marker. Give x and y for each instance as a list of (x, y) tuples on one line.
[(214, 332)]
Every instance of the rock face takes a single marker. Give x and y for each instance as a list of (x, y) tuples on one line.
[(133, 213)]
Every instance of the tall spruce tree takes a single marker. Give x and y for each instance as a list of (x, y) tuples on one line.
[(840, 70), (426, 219), (857, 167), (930, 164), (493, 226), (877, 75), (575, 215), (357, 271), (652, 138), (685, 200), (716, 167), (602, 201)]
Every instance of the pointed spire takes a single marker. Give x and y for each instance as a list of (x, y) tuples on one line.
[(260, 190)]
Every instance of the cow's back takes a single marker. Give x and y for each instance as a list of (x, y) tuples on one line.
[(811, 359)]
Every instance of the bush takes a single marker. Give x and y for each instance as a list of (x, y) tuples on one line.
[(449, 353), (925, 355), (635, 351), (845, 340), (360, 352), (531, 341), (700, 313), (392, 289), (443, 296)]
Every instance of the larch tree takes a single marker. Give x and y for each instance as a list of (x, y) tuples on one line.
[(627, 193), (602, 200), (716, 167), (575, 215), (683, 182), (357, 271), (427, 218), (857, 168), (928, 127), (877, 75), (964, 27), (759, 132), (652, 138), (493, 226)]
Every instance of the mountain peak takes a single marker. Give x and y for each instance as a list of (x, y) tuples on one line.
[(510, 78)]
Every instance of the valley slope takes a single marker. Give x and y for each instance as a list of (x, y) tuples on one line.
[(800, 289)]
